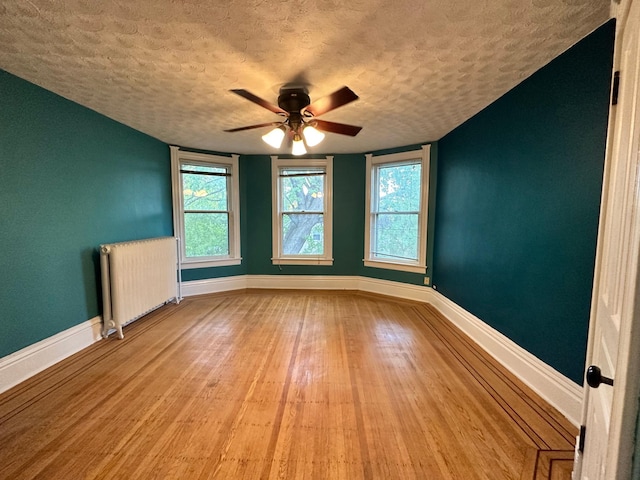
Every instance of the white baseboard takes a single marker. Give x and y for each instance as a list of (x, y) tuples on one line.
[(555, 388), (240, 282), (558, 390), (25, 363), (405, 291), (214, 285), (307, 282)]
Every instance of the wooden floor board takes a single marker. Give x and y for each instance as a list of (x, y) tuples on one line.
[(283, 385)]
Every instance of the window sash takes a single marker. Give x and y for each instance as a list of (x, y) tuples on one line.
[(377, 232), (307, 248), (224, 247), (375, 187), (215, 246), (307, 239), (299, 172), (227, 185), (399, 252)]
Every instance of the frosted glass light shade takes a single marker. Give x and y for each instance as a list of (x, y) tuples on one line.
[(274, 137), (312, 136), (298, 146)]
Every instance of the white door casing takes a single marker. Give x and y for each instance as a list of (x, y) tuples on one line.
[(609, 412)]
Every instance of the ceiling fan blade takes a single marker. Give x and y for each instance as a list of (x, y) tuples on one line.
[(336, 99), (333, 127), (257, 100), (250, 127)]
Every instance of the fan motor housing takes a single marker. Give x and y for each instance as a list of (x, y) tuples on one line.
[(293, 99)]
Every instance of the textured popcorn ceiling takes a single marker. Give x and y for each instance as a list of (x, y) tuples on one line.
[(165, 67)]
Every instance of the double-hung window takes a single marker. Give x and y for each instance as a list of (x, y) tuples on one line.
[(396, 221), (206, 210), (302, 211)]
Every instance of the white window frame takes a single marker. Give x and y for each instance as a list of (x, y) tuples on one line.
[(233, 194), (419, 266), (278, 257)]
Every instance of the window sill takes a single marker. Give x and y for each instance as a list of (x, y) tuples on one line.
[(223, 262), (302, 261), (395, 266)]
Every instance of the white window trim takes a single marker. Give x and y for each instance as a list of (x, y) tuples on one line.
[(234, 257), (278, 258), (421, 265)]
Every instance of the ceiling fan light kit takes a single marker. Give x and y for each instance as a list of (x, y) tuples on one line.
[(300, 124), (274, 137), (312, 136), (298, 147)]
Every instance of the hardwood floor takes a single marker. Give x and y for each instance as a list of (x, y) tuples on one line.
[(287, 385)]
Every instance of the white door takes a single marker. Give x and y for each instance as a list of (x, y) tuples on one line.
[(609, 412)]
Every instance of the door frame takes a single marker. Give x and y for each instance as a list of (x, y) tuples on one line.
[(624, 413)]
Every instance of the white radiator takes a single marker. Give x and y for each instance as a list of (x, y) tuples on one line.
[(137, 277)]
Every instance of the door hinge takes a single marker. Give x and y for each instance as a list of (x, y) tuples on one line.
[(583, 434), (615, 88)]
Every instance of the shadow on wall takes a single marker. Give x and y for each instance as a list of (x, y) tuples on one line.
[(91, 273)]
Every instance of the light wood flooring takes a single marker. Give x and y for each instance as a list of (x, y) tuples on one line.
[(283, 385)]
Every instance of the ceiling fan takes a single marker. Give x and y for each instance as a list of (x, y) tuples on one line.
[(300, 122)]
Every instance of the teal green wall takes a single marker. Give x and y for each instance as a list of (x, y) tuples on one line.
[(518, 200), (70, 179)]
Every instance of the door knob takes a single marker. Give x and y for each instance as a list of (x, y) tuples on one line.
[(595, 378)]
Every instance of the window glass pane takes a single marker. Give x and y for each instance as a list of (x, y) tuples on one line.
[(302, 193), (204, 192), (399, 187), (396, 236), (206, 234), (302, 234)]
